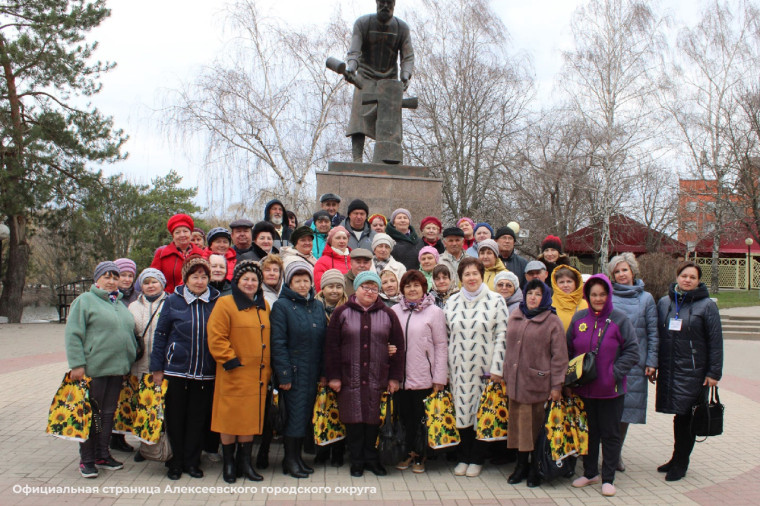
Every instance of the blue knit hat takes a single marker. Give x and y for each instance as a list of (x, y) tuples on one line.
[(365, 276), (476, 227)]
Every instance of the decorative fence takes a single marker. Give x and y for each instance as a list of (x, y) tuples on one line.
[(582, 268), (732, 272)]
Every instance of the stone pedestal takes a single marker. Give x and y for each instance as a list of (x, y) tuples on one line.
[(384, 188)]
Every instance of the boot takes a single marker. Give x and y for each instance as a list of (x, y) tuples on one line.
[(118, 442), (229, 473), (534, 479), (290, 461), (304, 467), (338, 450), (323, 454), (521, 469), (244, 467), (262, 457)]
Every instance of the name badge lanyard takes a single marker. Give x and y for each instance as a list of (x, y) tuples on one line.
[(675, 323)]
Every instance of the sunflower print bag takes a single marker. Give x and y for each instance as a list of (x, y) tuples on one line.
[(440, 420), (326, 419), (124, 416), (70, 412), (149, 413), (493, 414), (576, 425)]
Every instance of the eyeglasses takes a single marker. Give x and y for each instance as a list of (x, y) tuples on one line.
[(369, 289)]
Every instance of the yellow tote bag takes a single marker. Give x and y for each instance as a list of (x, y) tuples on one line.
[(440, 420), (326, 418), (493, 413), (70, 412)]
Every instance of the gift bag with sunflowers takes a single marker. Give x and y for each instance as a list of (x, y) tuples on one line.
[(70, 412), (576, 425), (127, 405), (149, 413), (493, 414), (440, 420), (327, 425)]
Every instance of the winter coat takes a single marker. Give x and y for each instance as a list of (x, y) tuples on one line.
[(365, 240), (550, 266), (425, 342), (687, 357), (224, 287), (289, 254), (641, 309), (452, 263), (230, 255), (618, 352), (477, 338), (515, 263), (141, 310), (239, 341), (472, 251), (319, 243), (180, 344), (513, 301), (298, 339), (100, 335), (281, 238), (536, 357), (440, 248), (129, 296), (246, 254), (330, 259), (407, 247), (356, 353), (567, 304), (168, 259), (491, 273)]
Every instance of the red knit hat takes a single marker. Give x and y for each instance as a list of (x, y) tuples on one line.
[(551, 241), (431, 219), (180, 220)]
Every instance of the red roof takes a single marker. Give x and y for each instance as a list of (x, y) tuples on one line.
[(626, 234), (731, 241)]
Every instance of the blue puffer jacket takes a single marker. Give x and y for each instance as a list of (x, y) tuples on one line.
[(320, 240), (180, 343), (640, 308)]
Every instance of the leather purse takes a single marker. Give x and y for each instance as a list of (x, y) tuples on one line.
[(707, 416), (582, 369)]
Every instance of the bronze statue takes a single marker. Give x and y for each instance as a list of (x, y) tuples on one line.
[(372, 65)]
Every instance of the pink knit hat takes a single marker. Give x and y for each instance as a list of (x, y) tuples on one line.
[(460, 220), (334, 231), (432, 251)]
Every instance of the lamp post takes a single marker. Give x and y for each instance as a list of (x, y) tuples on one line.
[(748, 241), (5, 233)]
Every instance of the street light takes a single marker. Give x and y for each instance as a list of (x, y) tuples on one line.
[(748, 241), (5, 233)]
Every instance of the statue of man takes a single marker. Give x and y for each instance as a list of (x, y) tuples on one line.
[(373, 55)]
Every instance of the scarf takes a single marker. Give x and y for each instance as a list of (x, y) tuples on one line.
[(544, 305), (380, 265), (113, 296), (152, 298), (243, 302), (470, 296)]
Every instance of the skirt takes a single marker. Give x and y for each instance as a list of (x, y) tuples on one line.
[(525, 424)]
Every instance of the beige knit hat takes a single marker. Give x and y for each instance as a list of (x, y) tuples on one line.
[(332, 276)]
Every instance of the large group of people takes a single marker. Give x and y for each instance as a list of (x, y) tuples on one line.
[(363, 304)]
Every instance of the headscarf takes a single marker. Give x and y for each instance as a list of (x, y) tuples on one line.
[(544, 305)]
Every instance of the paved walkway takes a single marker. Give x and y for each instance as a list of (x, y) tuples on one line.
[(724, 470)]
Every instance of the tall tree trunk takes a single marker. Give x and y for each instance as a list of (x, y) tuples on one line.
[(715, 278), (15, 273)]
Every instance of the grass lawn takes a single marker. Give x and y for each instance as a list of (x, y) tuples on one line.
[(738, 298)]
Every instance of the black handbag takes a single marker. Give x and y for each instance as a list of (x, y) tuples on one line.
[(278, 415), (548, 469), (707, 416), (392, 441), (582, 369)]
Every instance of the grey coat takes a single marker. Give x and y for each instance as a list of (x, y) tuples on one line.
[(640, 308)]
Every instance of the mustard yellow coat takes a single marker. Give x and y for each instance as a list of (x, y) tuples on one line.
[(240, 392)]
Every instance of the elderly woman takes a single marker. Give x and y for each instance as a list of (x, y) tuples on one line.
[(476, 319), (534, 372), (127, 275), (146, 310), (567, 293), (507, 284), (378, 222), (407, 243), (100, 343), (382, 244), (443, 286), (238, 338), (390, 279), (690, 358), (608, 330), (335, 255), (628, 295), (218, 278), (302, 240), (264, 235), (425, 371), (198, 237), (359, 368), (428, 258), (430, 228), (481, 232), (170, 258), (488, 253), (180, 351), (298, 337), (219, 243), (468, 227)]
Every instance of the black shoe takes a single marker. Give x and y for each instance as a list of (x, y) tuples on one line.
[(174, 473), (534, 479), (290, 461), (244, 467), (357, 470), (109, 463), (88, 470), (194, 472), (665, 467), (139, 457), (229, 472), (376, 468), (119, 443), (675, 473)]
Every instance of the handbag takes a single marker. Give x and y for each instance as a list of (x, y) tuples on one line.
[(160, 451), (582, 369), (70, 414), (440, 420), (392, 437), (278, 416), (548, 467), (493, 413), (326, 419), (707, 416)]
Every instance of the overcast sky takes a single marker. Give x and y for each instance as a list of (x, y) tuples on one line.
[(158, 44)]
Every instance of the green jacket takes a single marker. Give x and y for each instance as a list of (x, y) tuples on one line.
[(100, 335)]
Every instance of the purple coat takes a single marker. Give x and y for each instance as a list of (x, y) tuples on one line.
[(356, 353), (618, 353)]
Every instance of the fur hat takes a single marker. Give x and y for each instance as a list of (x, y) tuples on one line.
[(264, 226), (191, 262)]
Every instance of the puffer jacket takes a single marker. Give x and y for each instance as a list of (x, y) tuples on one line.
[(618, 352), (640, 308), (330, 259), (365, 239), (320, 241), (356, 353), (425, 341), (180, 343), (687, 357), (567, 304), (407, 247), (141, 310)]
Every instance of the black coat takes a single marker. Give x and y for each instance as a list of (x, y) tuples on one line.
[(686, 357), (407, 247), (298, 338)]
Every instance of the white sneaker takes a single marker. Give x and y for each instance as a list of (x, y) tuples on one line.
[(461, 469), (473, 470)]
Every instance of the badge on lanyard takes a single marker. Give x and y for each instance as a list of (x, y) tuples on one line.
[(675, 324)]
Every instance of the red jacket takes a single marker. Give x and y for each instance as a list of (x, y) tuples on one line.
[(169, 260), (231, 257), (330, 260)]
